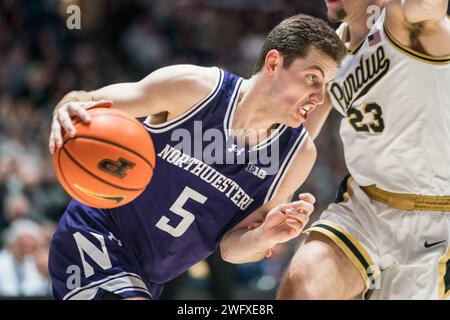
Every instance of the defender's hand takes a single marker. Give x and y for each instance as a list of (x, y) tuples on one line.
[(62, 120)]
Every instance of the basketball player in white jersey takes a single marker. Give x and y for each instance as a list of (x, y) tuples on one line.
[(388, 235)]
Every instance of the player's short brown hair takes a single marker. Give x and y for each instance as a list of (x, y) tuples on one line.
[(294, 36)]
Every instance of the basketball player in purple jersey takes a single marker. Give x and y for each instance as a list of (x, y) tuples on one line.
[(192, 206)]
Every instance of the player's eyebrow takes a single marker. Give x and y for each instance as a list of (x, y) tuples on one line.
[(331, 81), (318, 68)]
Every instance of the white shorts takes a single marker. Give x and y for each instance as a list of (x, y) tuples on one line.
[(399, 254)]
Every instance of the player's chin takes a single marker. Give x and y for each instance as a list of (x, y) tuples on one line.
[(296, 121), (336, 13), (295, 124), (333, 16)]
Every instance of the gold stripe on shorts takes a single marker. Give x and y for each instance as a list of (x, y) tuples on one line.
[(351, 247)]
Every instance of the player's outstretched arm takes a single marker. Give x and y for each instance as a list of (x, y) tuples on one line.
[(421, 25), (417, 11), (173, 89), (277, 221)]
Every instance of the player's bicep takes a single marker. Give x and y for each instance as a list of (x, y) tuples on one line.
[(404, 15), (427, 33), (176, 89), (417, 11), (173, 89)]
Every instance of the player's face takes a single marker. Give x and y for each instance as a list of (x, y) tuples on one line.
[(300, 88), (344, 10)]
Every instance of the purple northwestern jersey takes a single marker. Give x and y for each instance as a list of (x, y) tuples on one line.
[(203, 184)]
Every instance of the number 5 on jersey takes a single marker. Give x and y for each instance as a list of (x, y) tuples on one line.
[(177, 208)]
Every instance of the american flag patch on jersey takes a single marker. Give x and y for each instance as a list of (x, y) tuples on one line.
[(374, 38)]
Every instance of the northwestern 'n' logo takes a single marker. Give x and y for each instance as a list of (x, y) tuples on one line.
[(116, 168), (368, 72)]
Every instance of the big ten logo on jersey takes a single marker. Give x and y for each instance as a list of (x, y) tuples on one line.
[(116, 168), (256, 171)]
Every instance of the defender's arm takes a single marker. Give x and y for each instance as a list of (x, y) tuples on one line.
[(416, 11), (420, 25)]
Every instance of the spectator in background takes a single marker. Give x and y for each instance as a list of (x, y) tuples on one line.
[(20, 276), (17, 206), (144, 45), (47, 229)]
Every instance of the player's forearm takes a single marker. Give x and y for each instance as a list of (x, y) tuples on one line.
[(416, 11), (129, 97), (243, 246), (75, 96)]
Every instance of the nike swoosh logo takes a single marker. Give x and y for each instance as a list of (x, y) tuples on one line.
[(117, 199), (429, 245)]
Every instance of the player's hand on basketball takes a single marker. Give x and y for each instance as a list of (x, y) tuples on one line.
[(62, 120), (286, 221)]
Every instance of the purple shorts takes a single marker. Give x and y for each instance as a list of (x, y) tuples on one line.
[(88, 260)]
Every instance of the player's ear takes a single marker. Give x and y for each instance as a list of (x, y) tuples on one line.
[(273, 62)]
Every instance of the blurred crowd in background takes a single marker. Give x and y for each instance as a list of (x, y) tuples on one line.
[(122, 41)]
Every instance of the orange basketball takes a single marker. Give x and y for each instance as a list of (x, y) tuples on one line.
[(109, 162)]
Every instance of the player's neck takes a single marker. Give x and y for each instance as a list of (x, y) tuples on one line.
[(358, 30), (251, 114)]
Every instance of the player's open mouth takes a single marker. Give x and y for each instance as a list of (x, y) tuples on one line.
[(332, 2), (304, 111)]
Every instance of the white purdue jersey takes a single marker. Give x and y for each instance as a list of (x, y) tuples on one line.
[(396, 104)]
